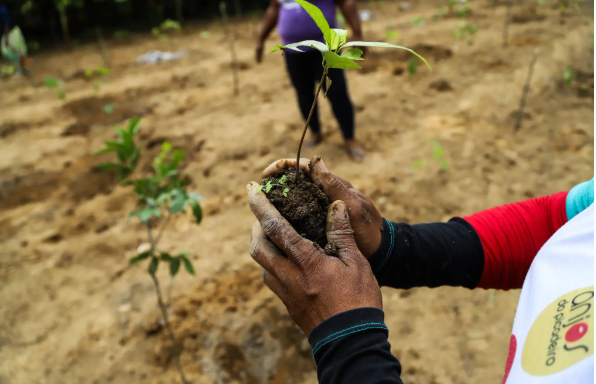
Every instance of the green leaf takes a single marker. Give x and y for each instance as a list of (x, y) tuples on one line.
[(178, 201), (285, 192), (134, 125), (145, 214), (108, 108), (107, 166), (140, 257), (319, 19), (50, 82), (134, 158), (165, 256), (412, 67), (188, 265), (438, 152), (444, 164), (259, 188), (153, 265), (306, 43), (418, 164), (268, 186), (391, 34), (282, 180), (103, 70), (338, 37), (174, 266), (332, 60), (88, 72), (354, 54), (383, 45), (419, 21), (61, 95), (196, 196), (569, 76), (196, 210)]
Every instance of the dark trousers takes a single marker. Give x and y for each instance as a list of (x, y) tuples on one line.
[(305, 70)]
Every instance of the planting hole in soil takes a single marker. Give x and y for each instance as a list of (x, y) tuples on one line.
[(303, 204)]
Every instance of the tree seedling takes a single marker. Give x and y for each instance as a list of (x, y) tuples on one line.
[(463, 11), (438, 152), (161, 194), (162, 30), (336, 52), (466, 31), (108, 108), (526, 89), (569, 76), (391, 34), (6, 70), (97, 76), (412, 67), (230, 37), (52, 83)]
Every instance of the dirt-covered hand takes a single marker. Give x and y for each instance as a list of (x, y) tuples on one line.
[(366, 221), (312, 285), (259, 52)]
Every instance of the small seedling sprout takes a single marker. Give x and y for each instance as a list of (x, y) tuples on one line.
[(391, 34), (335, 55), (569, 76), (270, 184)]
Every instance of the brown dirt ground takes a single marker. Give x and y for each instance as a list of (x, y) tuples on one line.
[(71, 309)]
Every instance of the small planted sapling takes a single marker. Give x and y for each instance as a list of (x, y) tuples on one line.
[(160, 195), (51, 82), (466, 31), (438, 157), (301, 202), (97, 76), (412, 67), (162, 31)]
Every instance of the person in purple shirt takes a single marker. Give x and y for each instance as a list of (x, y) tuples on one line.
[(305, 69)]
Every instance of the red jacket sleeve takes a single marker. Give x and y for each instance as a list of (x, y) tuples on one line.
[(512, 235)]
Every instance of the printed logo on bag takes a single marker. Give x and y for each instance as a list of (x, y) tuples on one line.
[(562, 335)]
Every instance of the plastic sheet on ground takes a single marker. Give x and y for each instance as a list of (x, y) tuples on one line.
[(153, 57)]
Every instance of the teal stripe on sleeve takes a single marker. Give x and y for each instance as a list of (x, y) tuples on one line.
[(579, 198)]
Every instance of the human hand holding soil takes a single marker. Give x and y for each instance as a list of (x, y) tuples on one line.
[(365, 220), (312, 285)]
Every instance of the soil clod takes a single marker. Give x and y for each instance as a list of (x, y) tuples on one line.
[(304, 204)]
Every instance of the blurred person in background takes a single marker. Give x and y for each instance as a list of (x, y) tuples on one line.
[(13, 44), (543, 245), (305, 68)]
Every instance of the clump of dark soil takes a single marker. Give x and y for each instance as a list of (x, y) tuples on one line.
[(304, 205)]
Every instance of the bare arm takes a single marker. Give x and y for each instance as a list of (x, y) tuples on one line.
[(269, 23), (350, 11)]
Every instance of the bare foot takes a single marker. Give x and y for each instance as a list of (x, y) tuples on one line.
[(355, 150), (315, 140)]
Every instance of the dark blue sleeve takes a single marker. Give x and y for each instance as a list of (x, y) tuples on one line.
[(352, 347)]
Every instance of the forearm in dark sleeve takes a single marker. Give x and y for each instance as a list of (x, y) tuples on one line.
[(352, 347), (428, 255)]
